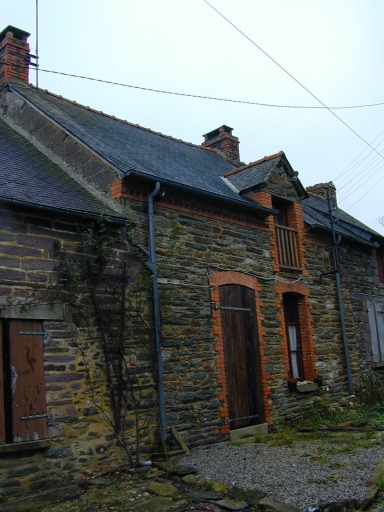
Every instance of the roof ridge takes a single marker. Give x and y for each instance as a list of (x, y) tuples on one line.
[(251, 164), (124, 121)]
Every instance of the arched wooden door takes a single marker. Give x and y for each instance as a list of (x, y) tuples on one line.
[(242, 355)]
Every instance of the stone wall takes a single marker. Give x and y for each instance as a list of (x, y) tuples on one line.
[(359, 282), (78, 398)]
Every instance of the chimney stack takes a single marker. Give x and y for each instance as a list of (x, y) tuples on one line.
[(14, 55), (320, 190), (223, 140)]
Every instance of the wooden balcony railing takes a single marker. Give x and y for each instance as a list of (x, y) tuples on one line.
[(287, 246)]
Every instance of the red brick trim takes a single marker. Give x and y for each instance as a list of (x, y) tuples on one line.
[(231, 277), (119, 190), (306, 327)]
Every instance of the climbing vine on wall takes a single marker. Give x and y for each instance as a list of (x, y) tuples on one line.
[(105, 285)]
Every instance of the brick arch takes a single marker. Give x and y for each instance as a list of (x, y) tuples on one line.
[(302, 293), (238, 278)]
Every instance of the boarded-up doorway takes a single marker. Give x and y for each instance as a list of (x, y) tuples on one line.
[(242, 356)]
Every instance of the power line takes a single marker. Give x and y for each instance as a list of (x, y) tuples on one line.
[(209, 97), (353, 188), (360, 198), (291, 76), (347, 168), (361, 173)]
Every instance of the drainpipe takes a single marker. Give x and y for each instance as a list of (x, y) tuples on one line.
[(156, 311), (338, 287)]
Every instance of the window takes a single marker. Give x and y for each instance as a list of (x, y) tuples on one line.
[(291, 314), (22, 389), (286, 237), (376, 326)]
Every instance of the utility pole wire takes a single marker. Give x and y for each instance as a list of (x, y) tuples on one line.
[(293, 78)]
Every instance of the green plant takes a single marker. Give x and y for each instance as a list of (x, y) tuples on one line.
[(104, 285), (372, 388), (110, 483), (287, 436), (380, 483)]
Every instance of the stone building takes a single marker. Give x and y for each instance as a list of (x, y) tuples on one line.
[(254, 316)]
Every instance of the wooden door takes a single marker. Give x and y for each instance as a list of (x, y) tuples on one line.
[(27, 380), (242, 355)]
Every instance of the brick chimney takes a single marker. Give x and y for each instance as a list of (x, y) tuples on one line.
[(222, 139), (320, 190), (14, 55)]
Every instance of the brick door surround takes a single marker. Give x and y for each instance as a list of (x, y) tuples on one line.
[(218, 279)]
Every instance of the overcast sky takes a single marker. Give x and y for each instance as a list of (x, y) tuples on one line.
[(333, 47)]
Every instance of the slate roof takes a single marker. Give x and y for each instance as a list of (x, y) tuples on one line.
[(255, 173), (28, 175), (130, 147), (316, 215)]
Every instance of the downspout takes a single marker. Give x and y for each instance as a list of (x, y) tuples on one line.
[(156, 311), (339, 296)]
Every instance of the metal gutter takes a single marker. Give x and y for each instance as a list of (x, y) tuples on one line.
[(211, 195), (67, 212), (344, 235), (339, 294)]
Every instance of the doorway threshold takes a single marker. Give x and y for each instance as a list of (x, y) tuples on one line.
[(253, 430)]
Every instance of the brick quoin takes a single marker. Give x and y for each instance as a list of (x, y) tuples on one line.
[(231, 277), (306, 328)]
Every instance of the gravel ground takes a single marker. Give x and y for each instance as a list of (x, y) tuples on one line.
[(305, 475)]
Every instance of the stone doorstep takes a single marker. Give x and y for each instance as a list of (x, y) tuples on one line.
[(251, 431)]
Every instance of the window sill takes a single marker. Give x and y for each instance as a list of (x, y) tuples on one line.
[(27, 445), (307, 388)]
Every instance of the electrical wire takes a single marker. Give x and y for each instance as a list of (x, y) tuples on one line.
[(360, 198), (198, 96), (293, 78), (347, 168), (362, 175), (356, 185)]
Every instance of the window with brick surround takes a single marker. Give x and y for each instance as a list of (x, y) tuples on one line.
[(286, 235), (23, 417), (292, 325)]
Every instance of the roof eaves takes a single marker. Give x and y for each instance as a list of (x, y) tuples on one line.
[(113, 219), (248, 205), (344, 235)]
